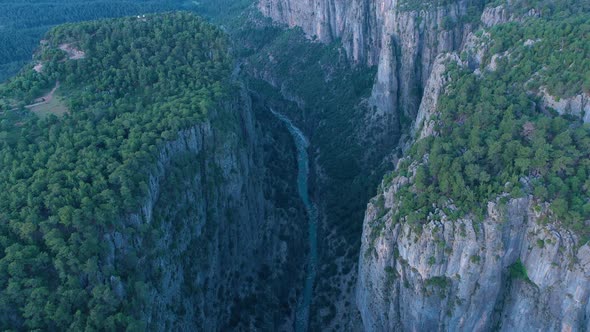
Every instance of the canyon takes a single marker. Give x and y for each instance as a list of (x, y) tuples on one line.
[(450, 275), (284, 205)]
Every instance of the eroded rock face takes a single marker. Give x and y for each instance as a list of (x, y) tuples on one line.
[(578, 106), (220, 251), (403, 43), (495, 15), (326, 20), (425, 120), (492, 16), (452, 275), (411, 41), (459, 275)]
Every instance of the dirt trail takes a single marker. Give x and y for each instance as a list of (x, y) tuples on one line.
[(45, 99), (38, 67), (73, 53)]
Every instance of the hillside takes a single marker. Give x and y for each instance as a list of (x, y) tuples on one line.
[(23, 23), (66, 181)]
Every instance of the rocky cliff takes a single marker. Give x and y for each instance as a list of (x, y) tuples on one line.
[(403, 39), (222, 247), (517, 268), (509, 272), (355, 23), (577, 106), (401, 43)]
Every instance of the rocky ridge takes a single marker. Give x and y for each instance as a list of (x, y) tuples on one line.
[(466, 274), (469, 275)]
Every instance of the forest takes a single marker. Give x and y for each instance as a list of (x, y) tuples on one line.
[(25, 22), (66, 180)]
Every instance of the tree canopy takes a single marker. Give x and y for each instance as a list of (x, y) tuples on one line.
[(24, 22)]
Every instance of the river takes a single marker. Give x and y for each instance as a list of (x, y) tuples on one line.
[(302, 143)]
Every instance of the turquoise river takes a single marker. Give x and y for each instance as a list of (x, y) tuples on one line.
[(302, 144)]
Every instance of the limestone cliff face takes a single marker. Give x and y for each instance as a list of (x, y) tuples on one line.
[(410, 42), (495, 15), (577, 106), (425, 119), (220, 251), (503, 13), (402, 40), (460, 275), (354, 22), (513, 271)]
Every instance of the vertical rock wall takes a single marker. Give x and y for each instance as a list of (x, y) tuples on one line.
[(507, 273), (220, 253)]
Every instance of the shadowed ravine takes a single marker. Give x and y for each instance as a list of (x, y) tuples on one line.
[(302, 314)]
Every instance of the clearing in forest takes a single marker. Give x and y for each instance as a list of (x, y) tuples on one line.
[(38, 67), (73, 53), (49, 104)]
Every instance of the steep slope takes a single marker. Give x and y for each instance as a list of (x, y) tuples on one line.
[(150, 203), (509, 271), (315, 86), (163, 193), (484, 223), (327, 20)]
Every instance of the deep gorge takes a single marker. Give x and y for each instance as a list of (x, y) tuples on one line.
[(302, 144), (365, 166), (411, 52)]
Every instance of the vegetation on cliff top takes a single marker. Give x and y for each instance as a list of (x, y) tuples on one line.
[(494, 137), (65, 182), (24, 22)]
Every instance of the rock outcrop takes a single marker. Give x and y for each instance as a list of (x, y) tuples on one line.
[(495, 15), (577, 106), (509, 272), (411, 39), (425, 122), (354, 23), (504, 13)]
